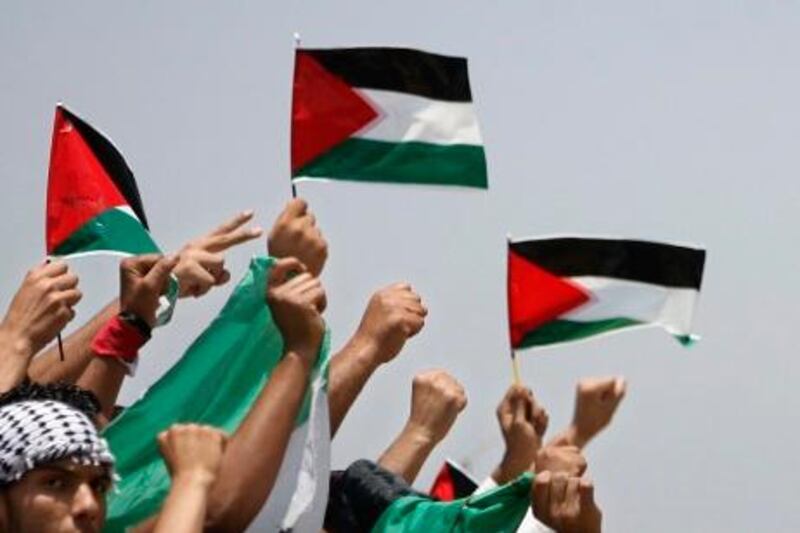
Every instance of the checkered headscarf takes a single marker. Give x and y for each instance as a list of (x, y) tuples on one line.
[(36, 432)]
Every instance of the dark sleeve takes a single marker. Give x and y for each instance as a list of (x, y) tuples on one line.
[(360, 495)]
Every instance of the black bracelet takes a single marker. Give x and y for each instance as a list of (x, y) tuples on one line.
[(138, 322)]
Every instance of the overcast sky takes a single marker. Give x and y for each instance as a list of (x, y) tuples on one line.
[(671, 120)]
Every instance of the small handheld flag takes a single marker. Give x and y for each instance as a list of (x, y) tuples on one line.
[(93, 203), (566, 289), (391, 115)]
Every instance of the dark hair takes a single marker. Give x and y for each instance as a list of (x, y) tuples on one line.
[(72, 395)]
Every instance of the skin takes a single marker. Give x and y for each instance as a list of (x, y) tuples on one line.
[(296, 234), (436, 401), (61, 497)]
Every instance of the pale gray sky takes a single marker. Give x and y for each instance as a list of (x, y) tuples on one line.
[(669, 120)]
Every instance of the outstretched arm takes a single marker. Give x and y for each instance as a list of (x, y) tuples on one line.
[(393, 315), (39, 311), (142, 280), (436, 400), (255, 452)]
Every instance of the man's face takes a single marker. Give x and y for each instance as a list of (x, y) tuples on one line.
[(60, 497)]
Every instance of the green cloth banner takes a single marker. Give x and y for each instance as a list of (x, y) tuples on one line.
[(500, 511), (215, 382)]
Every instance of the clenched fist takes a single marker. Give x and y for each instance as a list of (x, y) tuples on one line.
[(41, 308), (143, 279), (201, 262), (566, 503), (596, 401), (295, 234), (523, 423), (193, 450), (394, 314), (436, 400), (296, 300)]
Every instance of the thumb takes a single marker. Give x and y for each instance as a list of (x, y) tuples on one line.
[(283, 268), (157, 276)]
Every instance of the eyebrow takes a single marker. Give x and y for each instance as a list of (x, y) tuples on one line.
[(66, 469)]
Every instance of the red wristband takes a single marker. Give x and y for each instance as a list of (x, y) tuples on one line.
[(118, 338)]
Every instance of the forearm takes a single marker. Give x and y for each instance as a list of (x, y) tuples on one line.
[(350, 369), (254, 453), (104, 377), (47, 367), (15, 357), (406, 455), (184, 510)]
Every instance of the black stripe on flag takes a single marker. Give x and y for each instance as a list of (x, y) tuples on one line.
[(113, 163), (398, 69), (648, 262)]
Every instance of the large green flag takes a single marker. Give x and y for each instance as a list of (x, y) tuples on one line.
[(500, 511), (216, 382)]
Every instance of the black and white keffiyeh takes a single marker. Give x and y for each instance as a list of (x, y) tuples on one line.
[(33, 433)]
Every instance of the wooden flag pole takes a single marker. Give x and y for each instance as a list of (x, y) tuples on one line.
[(58, 336), (514, 362), (291, 177)]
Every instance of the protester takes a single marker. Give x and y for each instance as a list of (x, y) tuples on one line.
[(55, 469)]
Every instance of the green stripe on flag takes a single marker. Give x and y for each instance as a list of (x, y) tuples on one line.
[(112, 230), (570, 330), (215, 382), (406, 162)]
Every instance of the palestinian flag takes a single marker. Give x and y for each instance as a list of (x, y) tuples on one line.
[(452, 482), (93, 204), (387, 115), (571, 288), (216, 382)]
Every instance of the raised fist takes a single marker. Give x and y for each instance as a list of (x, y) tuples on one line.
[(596, 401), (193, 450), (41, 308), (393, 315), (436, 400), (566, 503), (296, 300), (295, 234), (201, 262)]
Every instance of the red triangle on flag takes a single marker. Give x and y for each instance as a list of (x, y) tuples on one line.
[(78, 187), (535, 296), (325, 111)]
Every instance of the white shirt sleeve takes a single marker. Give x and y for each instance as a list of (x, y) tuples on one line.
[(530, 524)]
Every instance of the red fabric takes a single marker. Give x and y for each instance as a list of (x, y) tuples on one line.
[(78, 187), (118, 339), (535, 296), (443, 488), (325, 111)]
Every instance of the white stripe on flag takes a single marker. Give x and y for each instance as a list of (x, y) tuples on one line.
[(408, 117), (615, 298)]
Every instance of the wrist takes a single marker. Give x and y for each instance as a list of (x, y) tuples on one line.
[(365, 349), (302, 357), (195, 477), (15, 344), (509, 469), (574, 437), (420, 435)]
